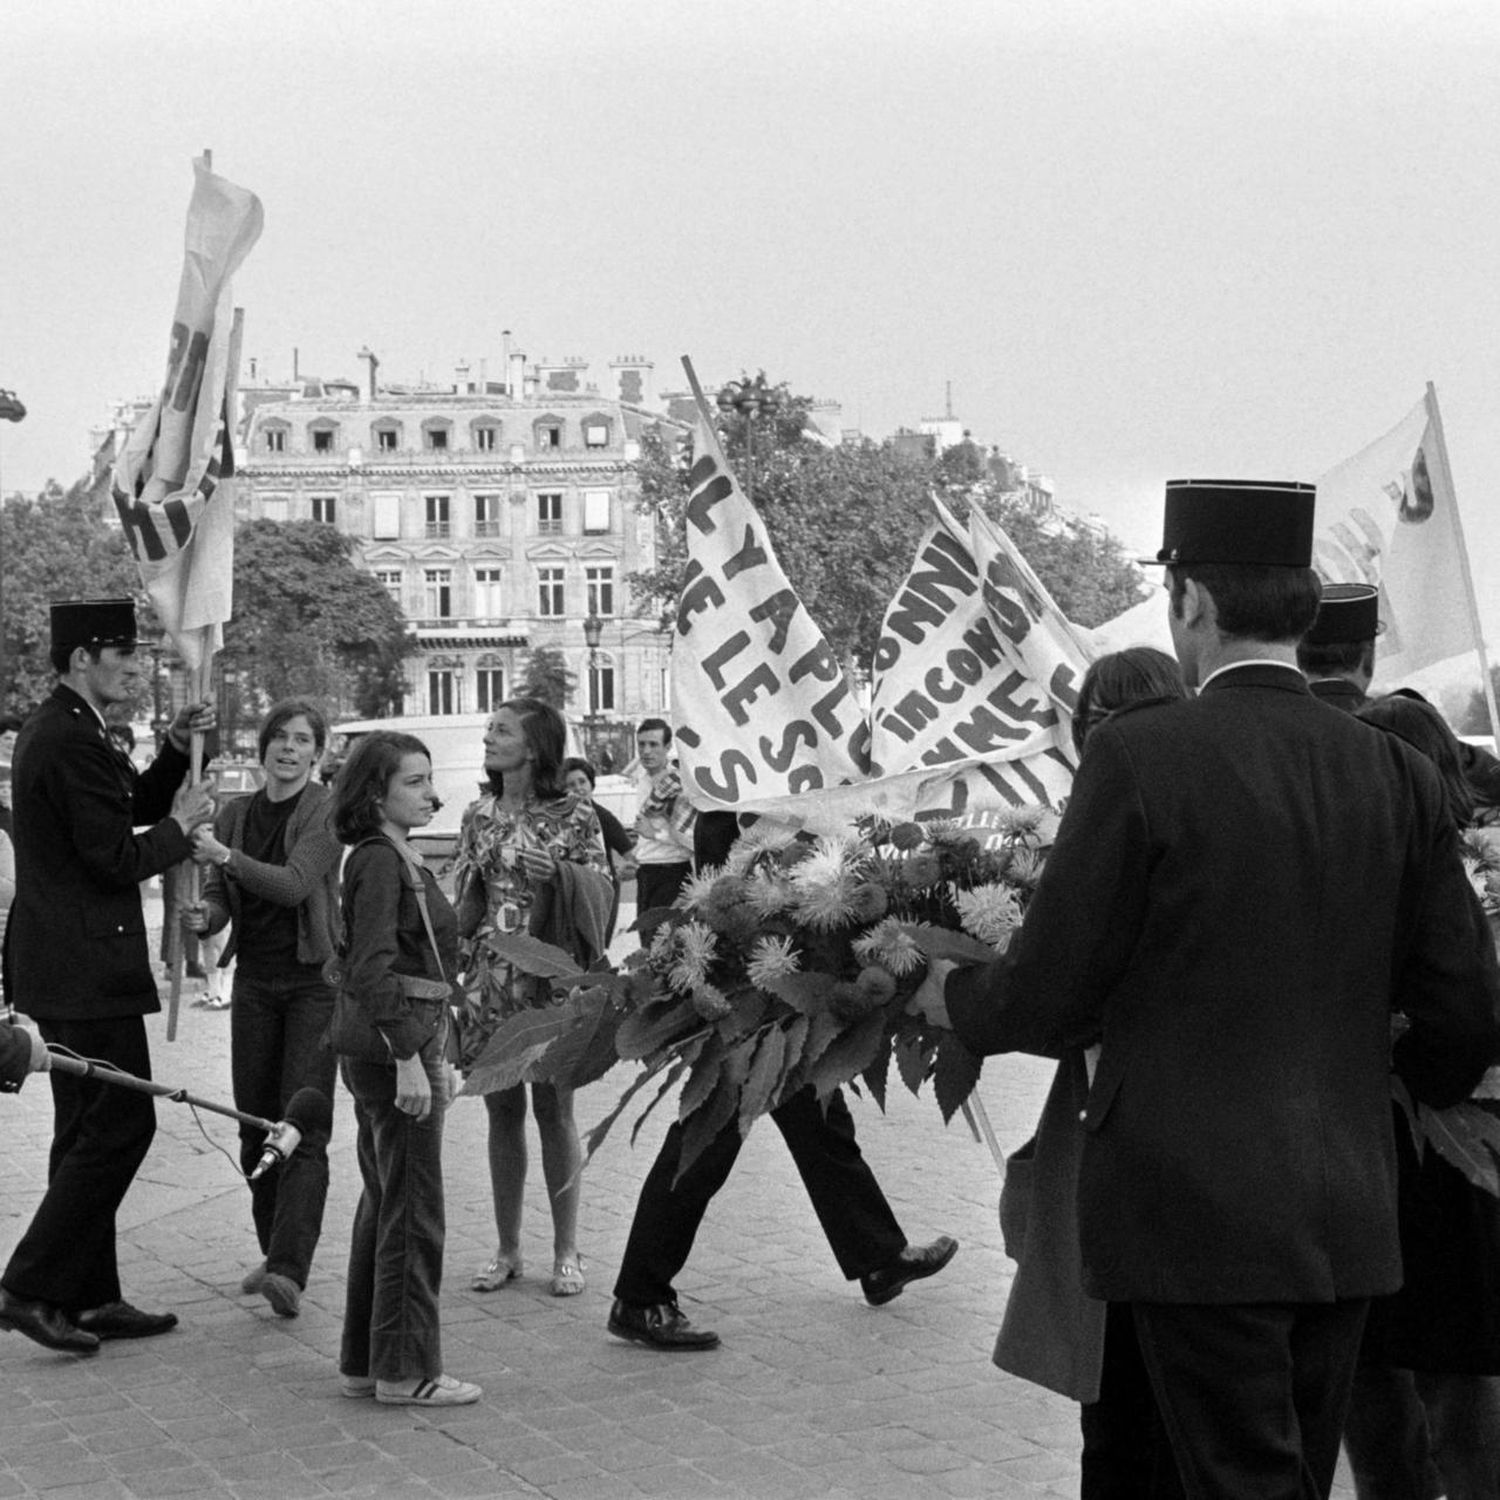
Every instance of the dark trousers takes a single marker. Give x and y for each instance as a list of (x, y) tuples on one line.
[(1253, 1395), (658, 885), (276, 1031), (861, 1229), (100, 1137), (391, 1328), (1127, 1454)]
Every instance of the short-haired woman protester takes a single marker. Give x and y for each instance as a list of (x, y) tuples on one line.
[(392, 1343), (1051, 1333), (530, 859), (273, 879)]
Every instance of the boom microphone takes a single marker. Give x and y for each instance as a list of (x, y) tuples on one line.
[(306, 1110)]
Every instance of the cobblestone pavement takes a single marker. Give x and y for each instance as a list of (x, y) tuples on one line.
[(812, 1394)]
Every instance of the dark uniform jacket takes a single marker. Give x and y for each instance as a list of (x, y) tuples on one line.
[(1338, 692), (75, 945), (1243, 888)]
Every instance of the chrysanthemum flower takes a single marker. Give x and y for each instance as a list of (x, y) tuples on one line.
[(696, 949), (827, 904), (771, 958), (832, 856), (760, 838), (1025, 868), (988, 912), (697, 887), (766, 895), (1020, 823), (887, 945)]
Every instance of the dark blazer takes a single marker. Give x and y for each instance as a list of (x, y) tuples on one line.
[(1243, 888), (1338, 692), (75, 944)]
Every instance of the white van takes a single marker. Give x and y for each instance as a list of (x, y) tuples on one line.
[(456, 744)]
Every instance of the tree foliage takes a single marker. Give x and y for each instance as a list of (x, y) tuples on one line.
[(845, 522), (547, 677), (308, 619), (56, 546)]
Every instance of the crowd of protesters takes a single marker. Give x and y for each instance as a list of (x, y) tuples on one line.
[(1233, 1250)]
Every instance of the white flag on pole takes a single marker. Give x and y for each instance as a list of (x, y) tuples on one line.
[(1389, 517), (177, 513)]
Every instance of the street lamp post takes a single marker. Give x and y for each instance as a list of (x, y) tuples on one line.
[(593, 630), (751, 399)]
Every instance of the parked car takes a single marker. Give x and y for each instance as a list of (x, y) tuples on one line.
[(238, 778)]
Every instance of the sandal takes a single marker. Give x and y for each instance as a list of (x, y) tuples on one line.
[(500, 1270), (567, 1277), (218, 1002)]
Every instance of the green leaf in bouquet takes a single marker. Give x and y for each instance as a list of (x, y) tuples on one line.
[(516, 1047), (764, 1077), (913, 1059), (807, 993), (698, 1133), (955, 1075), (847, 1056), (1466, 1136), (532, 956), (586, 1051), (595, 1138), (943, 942), (667, 1084), (707, 1069), (747, 1010), (875, 1075), (649, 1030)]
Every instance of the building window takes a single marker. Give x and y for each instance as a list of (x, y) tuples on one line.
[(595, 512), (486, 439), (275, 439), (601, 677), (387, 517), (549, 512), (550, 598), (600, 584), (323, 509), (486, 515), (322, 437), (437, 515), (435, 434), (437, 595), (387, 437), (487, 596), (442, 691), (489, 689), (549, 435), (390, 580), (595, 434)]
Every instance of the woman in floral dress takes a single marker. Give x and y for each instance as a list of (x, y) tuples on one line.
[(531, 859)]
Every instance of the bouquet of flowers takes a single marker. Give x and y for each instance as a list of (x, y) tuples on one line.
[(791, 966), (1466, 1135)]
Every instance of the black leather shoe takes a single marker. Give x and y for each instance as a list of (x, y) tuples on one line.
[(916, 1261), (46, 1325), (661, 1326), (119, 1320)]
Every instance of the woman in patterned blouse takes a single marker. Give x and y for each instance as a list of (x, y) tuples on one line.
[(530, 859)]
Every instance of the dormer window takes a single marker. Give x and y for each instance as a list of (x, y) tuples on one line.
[(549, 433), (486, 436), (386, 436), (596, 432), (273, 437), (435, 431), (322, 436)]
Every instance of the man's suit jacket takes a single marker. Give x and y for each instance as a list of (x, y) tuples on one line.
[(1338, 692), (75, 945), (1243, 888)]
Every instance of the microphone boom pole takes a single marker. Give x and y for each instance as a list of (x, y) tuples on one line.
[(103, 1073)]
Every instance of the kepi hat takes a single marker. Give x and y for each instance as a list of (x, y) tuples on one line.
[(1240, 521), (1348, 614), (93, 622)]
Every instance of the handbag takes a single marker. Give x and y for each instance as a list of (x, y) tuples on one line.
[(351, 1033)]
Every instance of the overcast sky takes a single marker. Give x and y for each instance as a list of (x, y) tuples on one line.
[(1141, 239)]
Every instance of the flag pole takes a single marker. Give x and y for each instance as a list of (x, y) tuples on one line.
[(1486, 681)]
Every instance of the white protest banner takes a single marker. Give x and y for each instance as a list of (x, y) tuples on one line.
[(950, 691), (1389, 517), (177, 514), (763, 710)]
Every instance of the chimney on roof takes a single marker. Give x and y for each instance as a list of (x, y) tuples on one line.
[(369, 354), (505, 360)]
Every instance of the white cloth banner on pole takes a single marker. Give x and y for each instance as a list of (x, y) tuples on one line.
[(176, 512), (762, 705), (1389, 517)]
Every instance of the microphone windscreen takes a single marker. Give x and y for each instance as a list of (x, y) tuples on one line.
[(310, 1109)]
